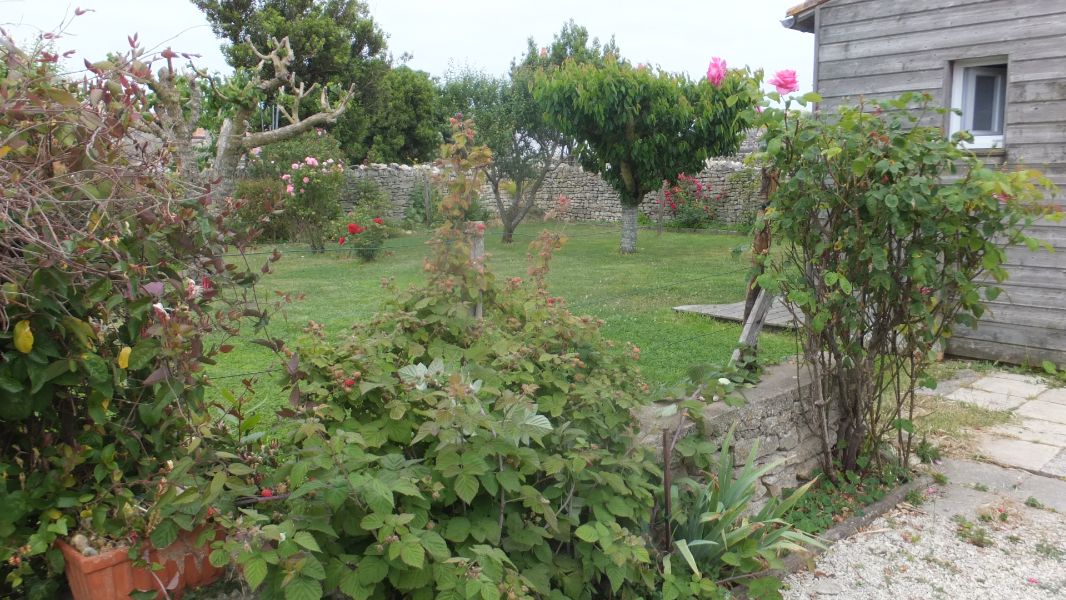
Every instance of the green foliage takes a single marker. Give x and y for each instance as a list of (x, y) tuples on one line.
[(972, 533), (337, 41), (688, 205), (364, 233), (827, 504), (275, 160), (637, 127), (313, 189), (416, 214), (404, 126), (262, 205), (368, 197), (112, 271), (443, 455), (717, 537), (893, 237)]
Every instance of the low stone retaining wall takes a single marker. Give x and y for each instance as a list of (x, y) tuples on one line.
[(772, 416), (734, 187)]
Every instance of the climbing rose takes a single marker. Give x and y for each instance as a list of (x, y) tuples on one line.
[(353, 228), (716, 71), (785, 81), (378, 221)]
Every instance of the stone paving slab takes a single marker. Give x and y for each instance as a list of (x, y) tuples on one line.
[(989, 400), (1009, 387), (1054, 395), (1056, 466), (1021, 454), (1045, 411), (1032, 379), (1035, 430)]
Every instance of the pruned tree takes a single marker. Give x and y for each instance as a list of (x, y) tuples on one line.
[(637, 126), (178, 112)]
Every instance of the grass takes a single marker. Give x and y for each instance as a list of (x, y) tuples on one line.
[(951, 425), (633, 294)]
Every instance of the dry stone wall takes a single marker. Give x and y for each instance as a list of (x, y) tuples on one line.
[(734, 184), (773, 418)]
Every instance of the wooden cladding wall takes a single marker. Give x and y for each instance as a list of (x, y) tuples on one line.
[(878, 49)]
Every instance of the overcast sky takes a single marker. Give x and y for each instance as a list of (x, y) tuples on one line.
[(677, 35)]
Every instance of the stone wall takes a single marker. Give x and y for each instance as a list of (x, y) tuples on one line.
[(772, 417), (591, 198)]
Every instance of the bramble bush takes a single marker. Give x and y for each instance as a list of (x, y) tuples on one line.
[(893, 236), (117, 290), (444, 456)]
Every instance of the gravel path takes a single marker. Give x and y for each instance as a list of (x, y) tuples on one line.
[(928, 552)]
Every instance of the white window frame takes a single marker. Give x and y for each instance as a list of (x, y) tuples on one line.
[(962, 76)]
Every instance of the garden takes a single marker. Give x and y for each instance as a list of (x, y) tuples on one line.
[(220, 369)]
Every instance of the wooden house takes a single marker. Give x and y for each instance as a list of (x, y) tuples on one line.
[(1002, 63)]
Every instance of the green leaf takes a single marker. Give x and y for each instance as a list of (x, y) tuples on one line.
[(303, 588), (378, 496), (457, 529), (903, 424), (218, 558), (371, 570), (587, 532), (412, 553), (255, 571), (466, 487), (436, 546), (764, 588), (164, 534), (306, 541)]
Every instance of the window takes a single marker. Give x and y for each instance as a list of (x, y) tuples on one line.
[(979, 91)]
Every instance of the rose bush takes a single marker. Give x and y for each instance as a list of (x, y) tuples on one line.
[(313, 187)]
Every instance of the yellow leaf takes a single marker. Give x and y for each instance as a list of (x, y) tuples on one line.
[(124, 357), (4, 150), (23, 337)]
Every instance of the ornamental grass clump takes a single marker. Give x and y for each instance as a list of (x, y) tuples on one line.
[(894, 236)]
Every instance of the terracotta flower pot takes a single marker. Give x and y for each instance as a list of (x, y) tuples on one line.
[(112, 576)]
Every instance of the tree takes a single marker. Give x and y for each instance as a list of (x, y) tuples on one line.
[(178, 101), (637, 127), (337, 42), (525, 146), (404, 128)]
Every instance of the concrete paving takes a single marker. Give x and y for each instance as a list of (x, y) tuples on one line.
[(1036, 439)]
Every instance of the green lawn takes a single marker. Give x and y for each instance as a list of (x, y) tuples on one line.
[(633, 294)]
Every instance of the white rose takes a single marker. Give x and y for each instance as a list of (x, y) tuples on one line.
[(724, 381)]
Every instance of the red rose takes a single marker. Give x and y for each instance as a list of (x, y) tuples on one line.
[(266, 493), (359, 229), (378, 221), (341, 241), (349, 382), (353, 228)]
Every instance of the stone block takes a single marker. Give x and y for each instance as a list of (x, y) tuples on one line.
[(1009, 387), (1017, 453), (985, 399), (1045, 411), (1054, 395)]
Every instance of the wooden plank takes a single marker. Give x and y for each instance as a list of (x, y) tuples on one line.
[(1052, 319), (1029, 48), (1038, 338), (928, 41), (1017, 256), (942, 20), (837, 12), (1013, 353), (1037, 91), (750, 334), (1045, 112), (880, 85), (1036, 154), (1037, 69), (1035, 133), (1023, 295)]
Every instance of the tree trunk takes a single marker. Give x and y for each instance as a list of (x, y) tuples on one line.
[(508, 232), (629, 230), (227, 158)]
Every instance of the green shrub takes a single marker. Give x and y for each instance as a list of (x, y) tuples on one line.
[(893, 236), (273, 161), (688, 205), (445, 455), (262, 206), (415, 215), (717, 537), (112, 278), (364, 235), (369, 199), (313, 189)]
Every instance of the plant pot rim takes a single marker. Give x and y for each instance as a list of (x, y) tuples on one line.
[(91, 564)]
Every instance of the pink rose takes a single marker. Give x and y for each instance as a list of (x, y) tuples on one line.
[(716, 71), (785, 81), (289, 189), (295, 166), (286, 177), (307, 180)]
